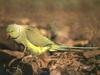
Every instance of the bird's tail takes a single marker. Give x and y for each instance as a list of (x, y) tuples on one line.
[(80, 49)]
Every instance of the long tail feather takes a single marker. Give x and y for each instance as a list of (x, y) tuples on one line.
[(69, 48)]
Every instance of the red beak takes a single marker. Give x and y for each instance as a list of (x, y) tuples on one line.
[(8, 36)]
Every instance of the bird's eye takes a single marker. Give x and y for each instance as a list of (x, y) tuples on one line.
[(28, 29), (11, 31)]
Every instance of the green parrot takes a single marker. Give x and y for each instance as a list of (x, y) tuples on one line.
[(35, 42)]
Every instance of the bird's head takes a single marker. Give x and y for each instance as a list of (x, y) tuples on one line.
[(14, 30)]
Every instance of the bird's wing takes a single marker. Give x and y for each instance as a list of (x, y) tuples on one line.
[(35, 37)]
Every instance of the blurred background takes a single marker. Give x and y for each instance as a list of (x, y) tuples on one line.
[(69, 22)]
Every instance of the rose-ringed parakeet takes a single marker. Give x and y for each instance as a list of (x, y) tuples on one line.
[(35, 42)]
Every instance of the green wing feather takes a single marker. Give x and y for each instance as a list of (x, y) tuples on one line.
[(36, 38)]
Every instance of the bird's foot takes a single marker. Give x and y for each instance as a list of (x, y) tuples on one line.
[(25, 49)]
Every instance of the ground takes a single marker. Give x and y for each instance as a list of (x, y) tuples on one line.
[(72, 23)]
